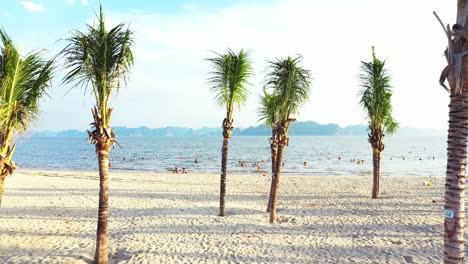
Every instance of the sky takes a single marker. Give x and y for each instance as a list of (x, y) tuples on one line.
[(173, 39)]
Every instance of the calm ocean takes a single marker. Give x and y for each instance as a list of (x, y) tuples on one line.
[(325, 155)]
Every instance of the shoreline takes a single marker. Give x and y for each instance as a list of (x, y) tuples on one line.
[(237, 173)]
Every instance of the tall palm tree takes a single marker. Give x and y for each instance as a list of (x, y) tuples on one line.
[(228, 81), (269, 113), (290, 83), (103, 59), (455, 72), (376, 101), (23, 82)]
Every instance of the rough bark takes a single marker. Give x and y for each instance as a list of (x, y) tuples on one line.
[(103, 138), (273, 168), (7, 166), (455, 180), (222, 191), (227, 131), (274, 196), (376, 174), (2, 181), (101, 256), (376, 140), (456, 73)]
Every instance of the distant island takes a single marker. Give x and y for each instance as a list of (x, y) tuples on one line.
[(305, 128)]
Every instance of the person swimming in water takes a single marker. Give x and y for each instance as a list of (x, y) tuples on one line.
[(196, 159)]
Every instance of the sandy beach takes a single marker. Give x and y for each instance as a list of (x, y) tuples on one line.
[(50, 217)]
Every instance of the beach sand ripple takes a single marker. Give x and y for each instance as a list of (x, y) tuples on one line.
[(168, 218)]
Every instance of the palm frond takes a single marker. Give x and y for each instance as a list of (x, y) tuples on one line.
[(229, 78), (23, 82), (100, 59), (375, 95), (290, 83), (269, 110)]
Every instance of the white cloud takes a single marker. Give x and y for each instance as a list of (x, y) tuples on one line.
[(332, 36), (33, 7), (168, 83), (72, 2), (191, 7)]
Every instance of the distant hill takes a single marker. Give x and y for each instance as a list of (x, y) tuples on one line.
[(306, 128)]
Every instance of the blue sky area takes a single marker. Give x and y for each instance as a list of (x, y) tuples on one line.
[(173, 38)]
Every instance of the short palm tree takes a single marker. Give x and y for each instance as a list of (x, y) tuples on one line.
[(269, 114), (102, 59), (228, 81), (457, 75), (23, 82), (376, 101), (290, 84)]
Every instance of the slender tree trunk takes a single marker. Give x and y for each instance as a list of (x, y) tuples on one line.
[(376, 181), (456, 73), (455, 180), (2, 182), (101, 256), (273, 169), (222, 196), (274, 196)]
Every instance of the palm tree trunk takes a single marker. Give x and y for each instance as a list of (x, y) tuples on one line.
[(376, 181), (274, 196), (101, 256), (455, 180), (273, 166), (457, 76), (2, 181), (222, 196)]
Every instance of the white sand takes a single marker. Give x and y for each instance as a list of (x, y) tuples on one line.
[(154, 218)]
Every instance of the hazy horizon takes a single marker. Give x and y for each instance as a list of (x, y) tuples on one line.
[(173, 38), (220, 127)]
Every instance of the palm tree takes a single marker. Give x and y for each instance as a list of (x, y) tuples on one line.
[(291, 85), (101, 58), (455, 72), (376, 101), (269, 113), (228, 81), (23, 82)]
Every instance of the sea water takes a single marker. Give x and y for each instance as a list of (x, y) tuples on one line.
[(325, 155)]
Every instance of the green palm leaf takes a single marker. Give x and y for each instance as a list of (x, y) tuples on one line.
[(100, 59), (23, 81), (229, 78), (290, 83), (269, 110), (376, 94)]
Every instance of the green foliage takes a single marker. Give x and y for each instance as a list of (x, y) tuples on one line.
[(23, 81), (290, 85), (229, 79), (269, 109), (376, 95), (101, 58)]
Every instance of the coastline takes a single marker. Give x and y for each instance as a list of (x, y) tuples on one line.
[(161, 218), (237, 173)]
